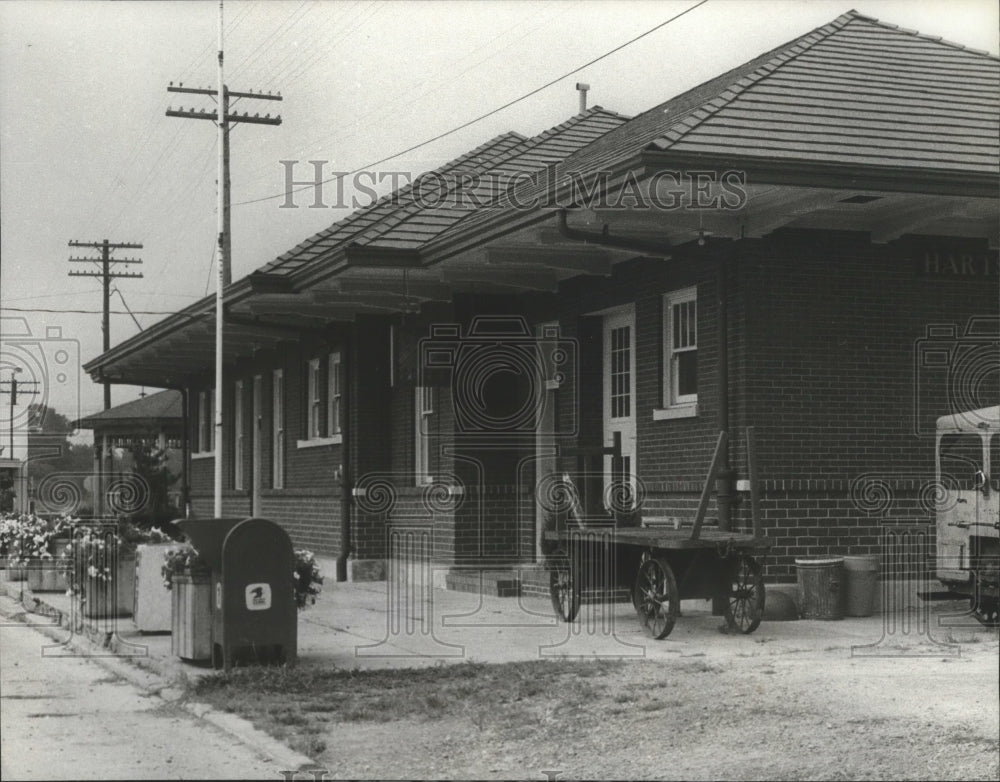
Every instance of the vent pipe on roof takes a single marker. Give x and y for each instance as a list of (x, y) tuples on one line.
[(582, 89)]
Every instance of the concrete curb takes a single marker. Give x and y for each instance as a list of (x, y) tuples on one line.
[(150, 679)]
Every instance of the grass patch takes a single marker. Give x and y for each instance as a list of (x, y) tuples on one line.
[(298, 704)]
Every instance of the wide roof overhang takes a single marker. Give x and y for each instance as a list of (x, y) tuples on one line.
[(510, 249)]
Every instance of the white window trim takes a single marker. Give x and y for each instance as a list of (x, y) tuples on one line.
[(334, 396), (314, 400), (206, 425), (239, 437), (423, 405), (681, 406), (317, 442), (277, 429)]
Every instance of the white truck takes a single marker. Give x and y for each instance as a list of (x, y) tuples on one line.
[(967, 493)]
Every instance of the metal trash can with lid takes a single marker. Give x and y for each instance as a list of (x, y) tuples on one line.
[(821, 593), (253, 598)]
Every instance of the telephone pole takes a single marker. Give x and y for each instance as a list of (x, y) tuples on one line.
[(106, 275), (12, 388), (223, 120)]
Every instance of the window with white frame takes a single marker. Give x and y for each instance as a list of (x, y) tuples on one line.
[(680, 349), (206, 421), (203, 422), (314, 402), (424, 406), (333, 396), (278, 429), (238, 435)]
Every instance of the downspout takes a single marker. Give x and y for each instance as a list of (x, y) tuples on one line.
[(185, 449), (347, 474), (724, 480)]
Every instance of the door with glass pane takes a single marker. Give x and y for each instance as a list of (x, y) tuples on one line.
[(619, 391)]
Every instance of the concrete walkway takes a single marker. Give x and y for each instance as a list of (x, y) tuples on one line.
[(375, 624), (380, 624)]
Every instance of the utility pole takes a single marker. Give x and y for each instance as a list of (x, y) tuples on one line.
[(12, 387), (106, 275), (223, 120)]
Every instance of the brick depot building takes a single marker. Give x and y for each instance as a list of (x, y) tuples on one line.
[(805, 245)]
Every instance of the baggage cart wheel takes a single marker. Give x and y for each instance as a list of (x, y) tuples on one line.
[(745, 602), (564, 588), (656, 599)]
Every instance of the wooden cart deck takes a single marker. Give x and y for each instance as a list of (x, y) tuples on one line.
[(660, 567), (665, 538)]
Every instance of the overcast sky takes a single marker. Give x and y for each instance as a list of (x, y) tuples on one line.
[(87, 152)]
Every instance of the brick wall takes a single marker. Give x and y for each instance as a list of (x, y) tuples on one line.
[(308, 506), (823, 329)]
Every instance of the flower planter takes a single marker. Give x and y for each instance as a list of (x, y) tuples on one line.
[(191, 615), (47, 576), (153, 607), (111, 598)]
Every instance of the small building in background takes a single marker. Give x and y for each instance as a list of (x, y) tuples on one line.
[(153, 423), (13, 486)]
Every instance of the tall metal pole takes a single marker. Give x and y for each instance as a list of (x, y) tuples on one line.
[(224, 120), (221, 282), (106, 273)]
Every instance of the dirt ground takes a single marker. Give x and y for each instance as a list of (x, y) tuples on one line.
[(790, 717), (748, 710)]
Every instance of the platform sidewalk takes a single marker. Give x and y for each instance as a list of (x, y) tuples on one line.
[(369, 625)]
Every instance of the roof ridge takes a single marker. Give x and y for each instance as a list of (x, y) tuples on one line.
[(494, 164), (780, 56), (923, 36), (404, 211)]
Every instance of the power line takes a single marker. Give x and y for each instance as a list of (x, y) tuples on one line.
[(464, 125), (125, 305), (106, 274), (99, 312)]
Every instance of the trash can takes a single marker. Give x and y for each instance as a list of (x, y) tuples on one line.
[(821, 593), (861, 581), (253, 599)]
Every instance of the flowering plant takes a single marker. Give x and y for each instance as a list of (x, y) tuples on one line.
[(9, 527), (29, 537), (307, 578), (180, 560), (95, 550)]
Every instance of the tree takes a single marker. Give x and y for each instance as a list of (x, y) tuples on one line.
[(150, 464), (51, 453)]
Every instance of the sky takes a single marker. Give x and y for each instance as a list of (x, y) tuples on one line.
[(87, 153)]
